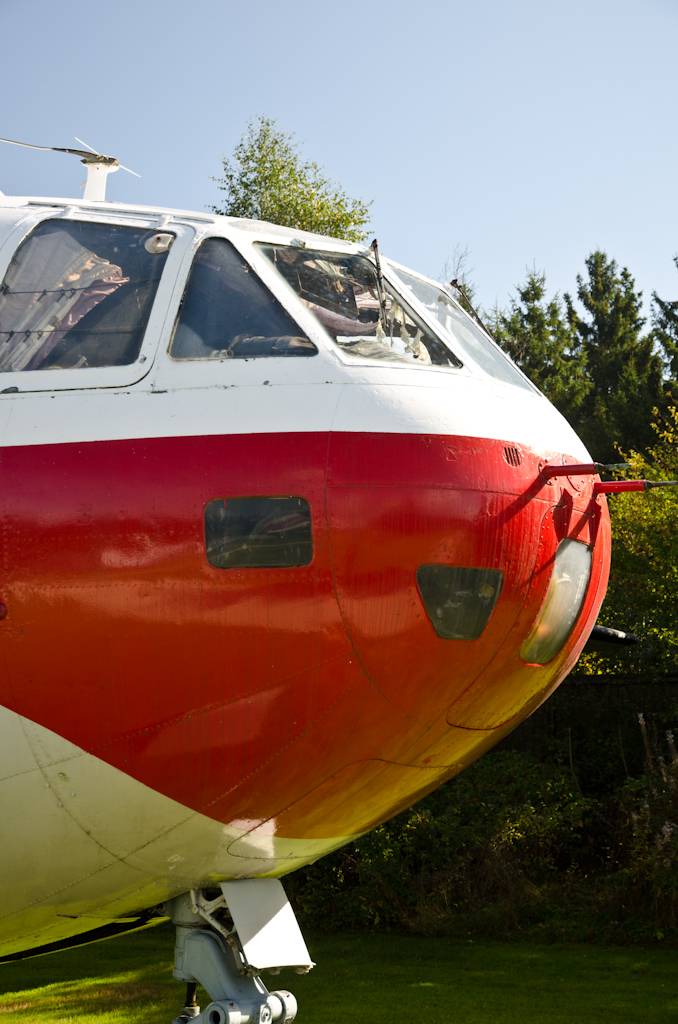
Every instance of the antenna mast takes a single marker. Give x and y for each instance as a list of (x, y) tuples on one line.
[(98, 167)]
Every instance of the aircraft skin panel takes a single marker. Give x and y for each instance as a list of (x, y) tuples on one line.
[(168, 645)]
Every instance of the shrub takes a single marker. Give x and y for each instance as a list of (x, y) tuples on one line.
[(494, 834)]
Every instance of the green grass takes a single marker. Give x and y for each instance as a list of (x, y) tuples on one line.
[(364, 979)]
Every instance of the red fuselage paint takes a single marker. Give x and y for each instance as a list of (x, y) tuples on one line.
[(280, 695)]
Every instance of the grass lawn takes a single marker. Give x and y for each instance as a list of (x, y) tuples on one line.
[(371, 979)]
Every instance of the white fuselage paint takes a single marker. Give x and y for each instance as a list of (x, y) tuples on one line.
[(115, 846)]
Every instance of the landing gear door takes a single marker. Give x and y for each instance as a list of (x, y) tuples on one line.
[(267, 928), (84, 298)]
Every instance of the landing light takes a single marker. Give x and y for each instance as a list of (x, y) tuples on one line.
[(562, 604)]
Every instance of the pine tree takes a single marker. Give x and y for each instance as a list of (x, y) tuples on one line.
[(622, 365), (665, 329), (268, 180), (538, 337)]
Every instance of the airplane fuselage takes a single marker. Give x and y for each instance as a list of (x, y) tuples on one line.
[(168, 718)]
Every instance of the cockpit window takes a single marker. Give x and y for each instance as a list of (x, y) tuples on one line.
[(342, 292), (464, 333), (79, 294), (228, 313)]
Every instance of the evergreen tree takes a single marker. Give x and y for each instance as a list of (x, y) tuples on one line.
[(624, 370), (268, 180), (538, 337), (665, 324)]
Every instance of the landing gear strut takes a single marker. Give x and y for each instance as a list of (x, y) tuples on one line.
[(191, 1008), (225, 943)]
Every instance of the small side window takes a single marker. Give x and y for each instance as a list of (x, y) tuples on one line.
[(459, 601), (228, 313), (258, 532)]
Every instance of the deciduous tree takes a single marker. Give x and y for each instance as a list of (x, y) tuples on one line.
[(643, 593), (267, 179)]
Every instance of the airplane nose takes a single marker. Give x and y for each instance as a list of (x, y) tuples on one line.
[(442, 550), (419, 536), (442, 554)]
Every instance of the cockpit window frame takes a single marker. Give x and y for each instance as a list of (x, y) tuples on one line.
[(303, 316), (223, 356), (94, 378)]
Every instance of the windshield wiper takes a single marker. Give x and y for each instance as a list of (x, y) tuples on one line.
[(462, 291), (380, 283)]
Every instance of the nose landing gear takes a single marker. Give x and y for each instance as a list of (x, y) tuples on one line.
[(225, 943)]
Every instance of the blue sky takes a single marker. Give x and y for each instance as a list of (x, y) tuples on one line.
[(530, 132)]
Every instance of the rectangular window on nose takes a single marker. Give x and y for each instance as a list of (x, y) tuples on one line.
[(258, 532), (459, 600)]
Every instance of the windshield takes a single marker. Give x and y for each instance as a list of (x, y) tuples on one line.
[(465, 334), (342, 291)]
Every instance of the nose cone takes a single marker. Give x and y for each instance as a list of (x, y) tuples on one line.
[(300, 704), (400, 507), (470, 510)]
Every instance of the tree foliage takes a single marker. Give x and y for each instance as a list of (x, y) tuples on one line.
[(495, 833), (268, 180), (536, 334), (643, 592), (665, 329), (592, 360), (625, 371), (512, 847)]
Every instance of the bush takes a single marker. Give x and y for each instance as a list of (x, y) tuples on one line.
[(646, 884), (494, 834), (512, 846)]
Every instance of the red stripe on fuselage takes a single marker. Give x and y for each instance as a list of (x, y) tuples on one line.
[(237, 691)]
